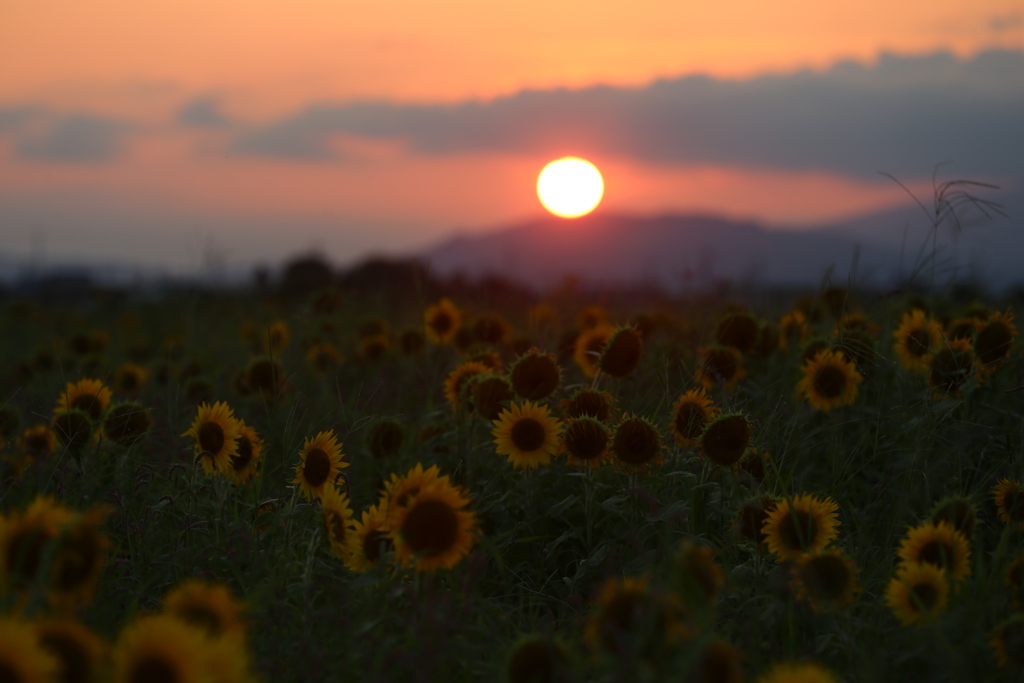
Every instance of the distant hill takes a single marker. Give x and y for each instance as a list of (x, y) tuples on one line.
[(683, 251)]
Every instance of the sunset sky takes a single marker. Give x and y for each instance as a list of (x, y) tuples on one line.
[(157, 132)]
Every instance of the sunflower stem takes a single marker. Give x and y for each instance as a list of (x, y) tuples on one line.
[(588, 502)]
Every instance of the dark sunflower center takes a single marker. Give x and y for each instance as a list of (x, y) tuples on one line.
[(690, 420), (431, 527), (37, 443), (622, 354), (797, 529), (240, 461), (317, 467), (994, 342), (622, 611), (535, 377), (720, 364), (830, 381), (153, 670), (442, 323), (1013, 504), (73, 662), (725, 441), (211, 437), (202, 617), (336, 526), (827, 577), (586, 440), (9, 675), (936, 552), (77, 560), (129, 382), (88, 404), (635, 442), (488, 397), (25, 552), (372, 545), (528, 434), (918, 342), (534, 661), (924, 596)]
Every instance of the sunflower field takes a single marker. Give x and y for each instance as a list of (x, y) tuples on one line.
[(203, 486)]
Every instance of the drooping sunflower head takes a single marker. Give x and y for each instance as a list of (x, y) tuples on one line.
[(637, 444), (23, 659), (950, 368), (1007, 640), (323, 357), (919, 591), (321, 461), (827, 580), (698, 574), (1008, 496), (917, 337), (590, 403), (130, 379), (585, 442), (537, 659), (801, 672), (160, 648), (79, 653), (215, 431), (725, 439), (740, 330), (690, 415), (339, 522), (829, 381), (535, 375), (80, 555), (440, 322), (527, 434), (433, 531), (589, 347), (87, 395), (208, 607), (995, 340), (490, 394), (959, 512), (127, 422), (385, 438), (73, 429), (244, 464), (457, 379), (801, 525), (371, 540), (621, 354), (720, 365)]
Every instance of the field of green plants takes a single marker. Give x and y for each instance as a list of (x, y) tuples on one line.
[(454, 485)]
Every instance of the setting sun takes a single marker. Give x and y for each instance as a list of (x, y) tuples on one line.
[(570, 187)]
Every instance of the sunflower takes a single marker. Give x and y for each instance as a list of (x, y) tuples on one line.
[(636, 444), (916, 338), (1008, 496), (720, 365), (963, 328), (80, 654), (830, 381), (739, 330), (591, 316), (491, 329), (215, 430), (160, 648), (767, 341), (37, 442), (690, 414), (73, 430), (588, 402), (854, 322), (243, 465), (228, 661), (266, 376), (528, 434), (803, 672), (25, 539), (995, 340), (398, 491), (373, 348), (628, 611), (130, 379), (1007, 639), (385, 439), (535, 375), (208, 607), (275, 338), (337, 512), (537, 659), (371, 539), (917, 592), (621, 354), (950, 368), (1014, 579), (719, 662), (440, 321), (801, 525), (457, 378), (432, 531), (79, 558), (725, 439), (589, 346), (22, 658), (827, 580), (959, 512), (127, 422), (323, 357), (542, 314), (585, 442), (87, 395), (322, 461), (792, 329), (490, 394), (858, 346), (699, 573), (812, 347)]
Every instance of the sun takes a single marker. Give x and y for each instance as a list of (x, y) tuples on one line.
[(570, 187)]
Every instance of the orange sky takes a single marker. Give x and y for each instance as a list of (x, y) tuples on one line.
[(140, 61)]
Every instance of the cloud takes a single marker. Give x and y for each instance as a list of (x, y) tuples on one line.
[(900, 115), (43, 135), (203, 112)]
